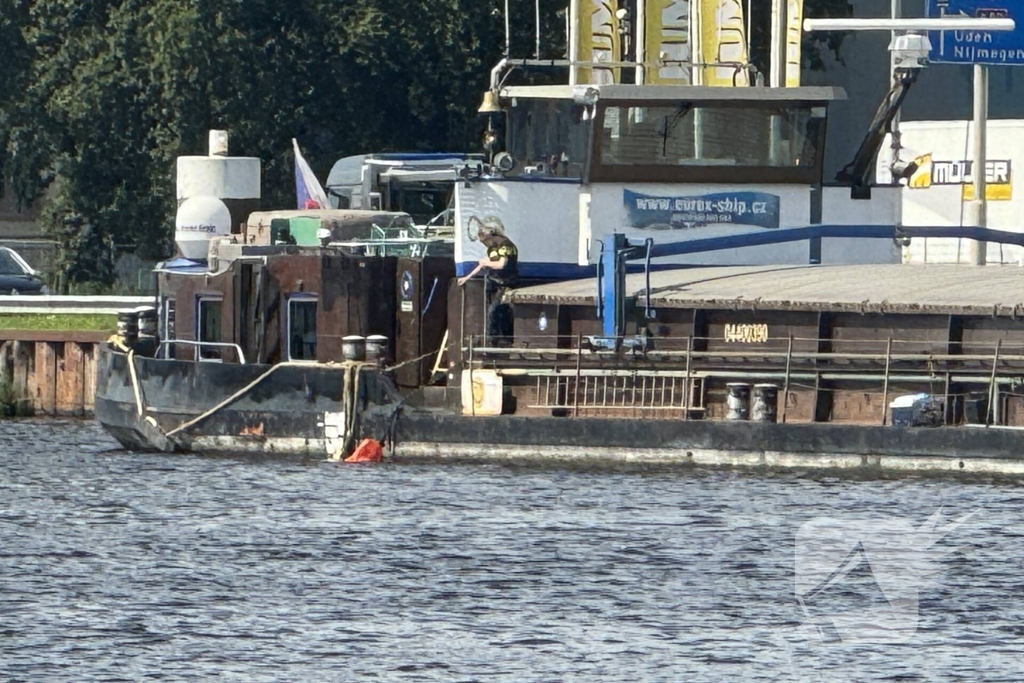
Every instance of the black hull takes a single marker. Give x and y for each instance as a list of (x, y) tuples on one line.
[(285, 414)]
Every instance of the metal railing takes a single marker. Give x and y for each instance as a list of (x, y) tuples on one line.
[(639, 393), (580, 378), (199, 346), (86, 305), (786, 351)]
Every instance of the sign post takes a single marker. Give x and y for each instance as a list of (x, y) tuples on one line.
[(896, 13), (977, 209), (981, 49)]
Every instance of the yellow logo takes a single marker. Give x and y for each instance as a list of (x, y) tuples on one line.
[(922, 177)]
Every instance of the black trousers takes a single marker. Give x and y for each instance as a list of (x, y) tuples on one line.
[(499, 315)]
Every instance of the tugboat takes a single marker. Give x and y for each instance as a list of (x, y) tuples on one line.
[(644, 271)]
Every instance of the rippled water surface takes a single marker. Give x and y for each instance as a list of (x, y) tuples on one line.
[(120, 567)]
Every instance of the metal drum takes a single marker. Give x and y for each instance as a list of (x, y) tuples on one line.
[(764, 403), (738, 401)]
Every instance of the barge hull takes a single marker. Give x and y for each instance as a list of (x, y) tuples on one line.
[(740, 444), (292, 424)]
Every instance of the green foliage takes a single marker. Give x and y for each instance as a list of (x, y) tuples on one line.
[(816, 46), (98, 98)]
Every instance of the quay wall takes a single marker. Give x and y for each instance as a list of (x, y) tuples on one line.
[(48, 372)]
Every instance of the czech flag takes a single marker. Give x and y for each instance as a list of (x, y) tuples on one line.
[(309, 193)]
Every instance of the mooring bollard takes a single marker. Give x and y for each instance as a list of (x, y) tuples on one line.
[(353, 348), (377, 349), (128, 325), (765, 403)]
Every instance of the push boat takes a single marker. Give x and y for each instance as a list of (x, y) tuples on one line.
[(689, 290)]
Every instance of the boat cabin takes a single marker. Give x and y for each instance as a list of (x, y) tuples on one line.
[(273, 303), (679, 164), (419, 184)]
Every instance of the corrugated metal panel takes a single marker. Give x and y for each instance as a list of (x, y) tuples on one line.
[(942, 289)]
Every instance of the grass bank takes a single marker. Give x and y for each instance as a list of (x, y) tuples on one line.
[(62, 321)]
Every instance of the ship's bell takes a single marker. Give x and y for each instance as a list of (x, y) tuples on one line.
[(490, 104)]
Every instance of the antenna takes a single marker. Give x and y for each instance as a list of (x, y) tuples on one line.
[(508, 33), (537, 15)]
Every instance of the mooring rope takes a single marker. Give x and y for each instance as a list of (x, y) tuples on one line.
[(135, 382), (251, 385), (118, 342)]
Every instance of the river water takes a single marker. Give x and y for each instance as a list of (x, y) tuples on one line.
[(123, 567)]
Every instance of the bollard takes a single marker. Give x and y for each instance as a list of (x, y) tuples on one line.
[(128, 326), (764, 403), (146, 315), (353, 348), (738, 401), (377, 349)]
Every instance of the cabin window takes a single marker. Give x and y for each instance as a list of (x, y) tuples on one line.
[(423, 201), (302, 327), (167, 324), (208, 327), (549, 137), (771, 143), (727, 136)]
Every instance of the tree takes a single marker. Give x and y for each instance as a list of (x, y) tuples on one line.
[(815, 45), (99, 97)]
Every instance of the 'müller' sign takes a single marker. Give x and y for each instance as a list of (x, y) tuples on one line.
[(998, 174)]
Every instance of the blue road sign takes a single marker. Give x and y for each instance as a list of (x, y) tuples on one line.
[(978, 47)]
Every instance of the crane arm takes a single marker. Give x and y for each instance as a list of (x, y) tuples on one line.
[(858, 172)]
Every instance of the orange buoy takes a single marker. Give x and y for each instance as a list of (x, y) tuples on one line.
[(368, 450)]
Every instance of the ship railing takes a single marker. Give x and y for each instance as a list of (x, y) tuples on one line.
[(795, 351), (567, 374), (669, 394), (199, 346)]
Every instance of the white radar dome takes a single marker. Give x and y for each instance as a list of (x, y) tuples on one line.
[(200, 219)]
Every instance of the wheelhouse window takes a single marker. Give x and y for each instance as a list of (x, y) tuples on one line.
[(421, 200), (548, 136), (208, 327), (302, 327), (780, 143)]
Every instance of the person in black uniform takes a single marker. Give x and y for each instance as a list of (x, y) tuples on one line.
[(501, 269)]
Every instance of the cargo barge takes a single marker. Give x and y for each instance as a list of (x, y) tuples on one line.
[(640, 272), (778, 366)]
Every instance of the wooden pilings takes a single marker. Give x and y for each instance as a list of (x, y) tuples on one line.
[(47, 373)]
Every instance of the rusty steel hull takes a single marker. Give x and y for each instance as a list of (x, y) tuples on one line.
[(288, 412), (287, 418)]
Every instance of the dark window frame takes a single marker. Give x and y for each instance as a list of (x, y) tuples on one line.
[(168, 314), (299, 298), (210, 354), (765, 175)]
